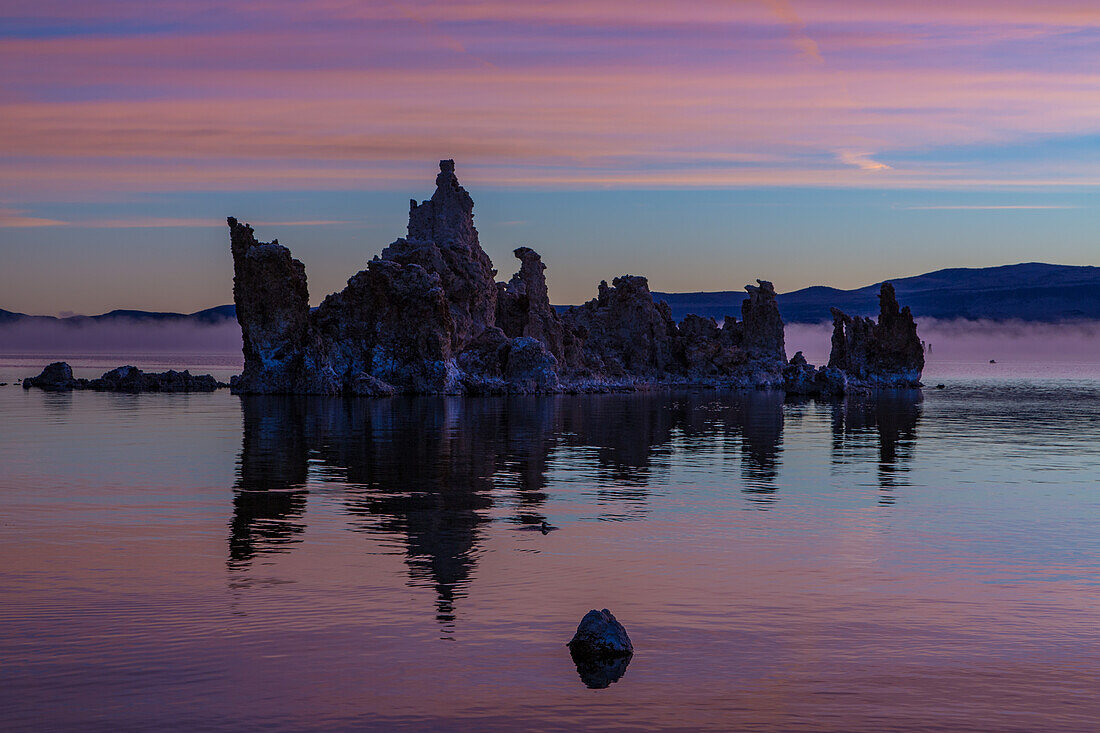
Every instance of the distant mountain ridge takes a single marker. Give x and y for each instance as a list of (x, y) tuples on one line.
[(1031, 291), (210, 316)]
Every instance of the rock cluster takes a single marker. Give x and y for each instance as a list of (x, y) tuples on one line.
[(426, 316), (884, 354), (421, 318), (58, 377), (627, 338), (801, 378)]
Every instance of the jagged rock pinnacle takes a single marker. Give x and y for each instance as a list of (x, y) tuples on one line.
[(884, 354)]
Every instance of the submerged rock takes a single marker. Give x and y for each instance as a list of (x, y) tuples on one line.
[(600, 636), (884, 354), (59, 376)]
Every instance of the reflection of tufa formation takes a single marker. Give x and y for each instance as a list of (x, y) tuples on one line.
[(434, 472), (427, 317)]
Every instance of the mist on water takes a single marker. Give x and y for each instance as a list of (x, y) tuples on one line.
[(954, 345), (951, 346), (118, 336)]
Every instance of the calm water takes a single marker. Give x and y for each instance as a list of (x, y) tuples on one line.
[(912, 562)]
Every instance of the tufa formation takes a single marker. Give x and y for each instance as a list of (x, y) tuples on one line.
[(883, 354), (427, 316)]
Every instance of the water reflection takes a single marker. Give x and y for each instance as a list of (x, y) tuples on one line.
[(269, 500), (434, 471), (599, 674), (889, 420), (265, 520), (57, 404), (759, 418)]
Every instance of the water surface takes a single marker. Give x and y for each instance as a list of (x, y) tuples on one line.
[(909, 562)]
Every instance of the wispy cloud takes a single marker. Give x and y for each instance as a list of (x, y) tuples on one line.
[(862, 161), (156, 223), (806, 45), (566, 93), (1007, 207), (17, 219)]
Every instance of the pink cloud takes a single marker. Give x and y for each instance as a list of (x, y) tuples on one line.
[(709, 93), (16, 219)]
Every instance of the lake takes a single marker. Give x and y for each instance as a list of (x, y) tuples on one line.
[(913, 561)]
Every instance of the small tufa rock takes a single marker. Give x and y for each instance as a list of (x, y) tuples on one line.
[(56, 377), (600, 635)]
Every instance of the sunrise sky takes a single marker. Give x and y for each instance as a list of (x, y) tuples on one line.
[(703, 143)]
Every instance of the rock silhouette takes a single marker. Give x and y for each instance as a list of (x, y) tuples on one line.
[(600, 636), (884, 354), (426, 316), (58, 377)]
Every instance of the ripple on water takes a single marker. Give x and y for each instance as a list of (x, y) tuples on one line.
[(907, 562)]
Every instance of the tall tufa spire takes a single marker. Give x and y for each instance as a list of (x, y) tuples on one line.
[(447, 218)]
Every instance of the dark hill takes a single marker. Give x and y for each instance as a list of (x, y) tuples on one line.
[(1030, 292), (210, 316)]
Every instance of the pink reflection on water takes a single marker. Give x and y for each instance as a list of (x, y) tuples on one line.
[(395, 590)]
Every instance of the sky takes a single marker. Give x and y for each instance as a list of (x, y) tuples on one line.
[(703, 143)]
